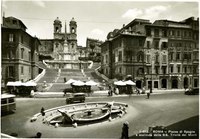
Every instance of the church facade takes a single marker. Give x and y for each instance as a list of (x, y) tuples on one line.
[(61, 51)]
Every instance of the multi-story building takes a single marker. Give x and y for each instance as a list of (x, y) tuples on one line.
[(93, 49), (162, 55), (122, 52), (19, 52), (172, 48)]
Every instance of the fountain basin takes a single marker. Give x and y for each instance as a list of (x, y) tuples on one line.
[(83, 113)]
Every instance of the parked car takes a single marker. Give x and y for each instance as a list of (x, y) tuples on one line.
[(76, 97), (192, 91)]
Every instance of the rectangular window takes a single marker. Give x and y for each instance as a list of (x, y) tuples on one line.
[(11, 37), (178, 33), (178, 69), (22, 53), (164, 45), (29, 54), (148, 44), (148, 70), (185, 56), (149, 84), (189, 56), (190, 69), (156, 70), (195, 55), (164, 33), (172, 69), (185, 69), (164, 59), (156, 32), (106, 58), (177, 56), (155, 84), (120, 55), (196, 82), (156, 44), (120, 69), (185, 33), (157, 57), (195, 69), (22, 70), (172, 32), (148, 32), (164, 69), (10, 71)]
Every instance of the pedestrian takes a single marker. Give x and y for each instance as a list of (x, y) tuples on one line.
[(109, 90), (125, 129), (32, 93), (117, 91), (43, 113)]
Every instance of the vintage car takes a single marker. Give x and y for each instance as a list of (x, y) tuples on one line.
[(192, 91), (76, 97)]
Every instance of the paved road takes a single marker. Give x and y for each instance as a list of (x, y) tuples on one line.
[(160, 109)]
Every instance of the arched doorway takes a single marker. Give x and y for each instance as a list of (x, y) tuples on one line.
[(139, 84), (174, 83), (164, 83), (185, 82)]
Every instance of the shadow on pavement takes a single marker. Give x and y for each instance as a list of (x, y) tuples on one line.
[(185, 129)]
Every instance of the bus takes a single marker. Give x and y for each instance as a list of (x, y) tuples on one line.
[(8, 103)]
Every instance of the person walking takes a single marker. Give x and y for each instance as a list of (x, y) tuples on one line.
[(43, 113), (125, 129)]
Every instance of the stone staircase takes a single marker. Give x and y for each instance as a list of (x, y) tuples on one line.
[(56, 80)]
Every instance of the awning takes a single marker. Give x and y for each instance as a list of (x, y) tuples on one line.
[(129, 82), (70, 81), (91, 83), (17, 83), (120, 83), (78, 83)]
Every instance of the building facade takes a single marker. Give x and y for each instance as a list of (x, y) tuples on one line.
[(61, 51), (19, 52), (93, 49), (162, 55)]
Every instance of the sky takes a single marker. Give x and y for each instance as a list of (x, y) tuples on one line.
[(95, 19)]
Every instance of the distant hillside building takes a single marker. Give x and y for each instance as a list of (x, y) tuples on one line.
[(93, 49), (162, 55), (61, 51), (19, 52)]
